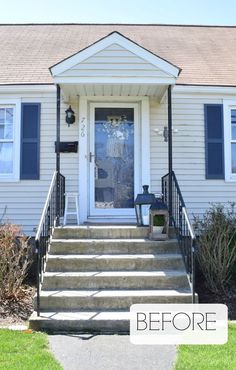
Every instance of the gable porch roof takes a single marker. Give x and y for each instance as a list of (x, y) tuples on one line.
[(114, 60)]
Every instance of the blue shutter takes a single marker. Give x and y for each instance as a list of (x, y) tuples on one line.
[(30, 141), (214, 141)]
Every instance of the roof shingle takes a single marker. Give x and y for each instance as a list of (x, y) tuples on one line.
[(206, 54)]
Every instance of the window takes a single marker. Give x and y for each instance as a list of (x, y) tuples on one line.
[(6, 140), (9, 141), (230, 139)]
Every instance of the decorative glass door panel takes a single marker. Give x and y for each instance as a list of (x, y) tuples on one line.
[(113, 159)]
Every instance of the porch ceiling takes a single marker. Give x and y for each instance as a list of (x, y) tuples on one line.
[(72, 90)]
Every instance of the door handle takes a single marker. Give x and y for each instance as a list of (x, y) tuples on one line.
[(91, 157)]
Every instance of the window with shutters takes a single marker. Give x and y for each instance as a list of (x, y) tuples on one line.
[(230, 139), (9, 140)]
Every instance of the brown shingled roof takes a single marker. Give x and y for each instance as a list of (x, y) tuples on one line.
[(206, 54)]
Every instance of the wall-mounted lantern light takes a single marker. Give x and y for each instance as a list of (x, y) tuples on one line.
[(70, 116)]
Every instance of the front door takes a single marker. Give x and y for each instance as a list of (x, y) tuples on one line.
[(113, 157)]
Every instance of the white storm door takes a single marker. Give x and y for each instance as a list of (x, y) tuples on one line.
[(114, 158)]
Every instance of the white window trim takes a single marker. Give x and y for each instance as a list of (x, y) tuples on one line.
[(16, 140), (228, 105)]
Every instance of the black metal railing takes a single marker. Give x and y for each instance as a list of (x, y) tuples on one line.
[(180, 220), (52, 211)]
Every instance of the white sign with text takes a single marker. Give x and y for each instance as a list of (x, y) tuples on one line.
[(178, 323)]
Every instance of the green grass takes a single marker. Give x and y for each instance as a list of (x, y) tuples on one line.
[(209, 357), (25, 351)]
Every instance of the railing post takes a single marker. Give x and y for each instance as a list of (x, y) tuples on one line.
[(37, 245), (162, 189), (58, 156), (49, 218), (193, 269), (170, 162), (180, 222)]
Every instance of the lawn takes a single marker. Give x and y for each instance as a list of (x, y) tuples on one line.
[(209, 357), (25, 350)]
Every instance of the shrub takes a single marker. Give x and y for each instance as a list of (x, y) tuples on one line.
[(15, 260), (216, 254)]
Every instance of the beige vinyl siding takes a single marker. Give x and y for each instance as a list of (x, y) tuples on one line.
[(114, 61), (188, 151), (24, 199), (158, 148)]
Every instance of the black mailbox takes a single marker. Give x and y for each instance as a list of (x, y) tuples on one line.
[(67, 147)]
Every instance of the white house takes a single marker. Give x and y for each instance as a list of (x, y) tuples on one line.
[(147, 100), (115, 72)]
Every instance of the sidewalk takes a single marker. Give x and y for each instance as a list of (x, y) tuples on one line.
[(109, 352)]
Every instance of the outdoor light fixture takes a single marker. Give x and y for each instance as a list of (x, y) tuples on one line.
[(164, 132), (70, 116)]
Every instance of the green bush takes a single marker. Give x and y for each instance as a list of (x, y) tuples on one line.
[(216, 254), (15, 260)]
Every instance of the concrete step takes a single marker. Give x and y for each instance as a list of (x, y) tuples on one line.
[(105, 262), (104, 299), (166, 279), (81, 322), (100, 232), (95, 273), (112, 246)]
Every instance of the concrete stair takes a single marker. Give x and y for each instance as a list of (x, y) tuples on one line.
[(95, 273)]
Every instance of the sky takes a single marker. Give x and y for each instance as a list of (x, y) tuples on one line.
[(212, 12)]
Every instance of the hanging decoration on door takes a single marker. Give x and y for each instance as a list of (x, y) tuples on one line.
[(117, 133)]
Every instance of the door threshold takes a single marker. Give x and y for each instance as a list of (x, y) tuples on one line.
[(120, 220)]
